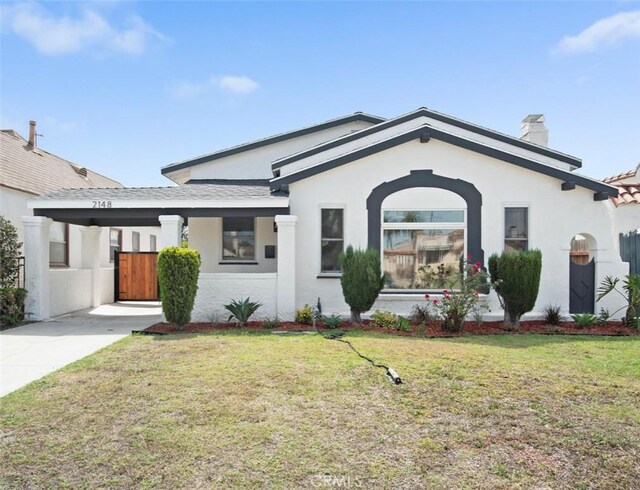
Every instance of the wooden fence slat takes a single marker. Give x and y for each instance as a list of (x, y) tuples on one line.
[(630, 250)]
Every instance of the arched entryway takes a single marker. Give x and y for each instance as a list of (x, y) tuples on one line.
[(582, 268)]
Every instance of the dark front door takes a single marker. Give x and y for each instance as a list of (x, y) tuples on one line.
[(137, 276), (582, 287)]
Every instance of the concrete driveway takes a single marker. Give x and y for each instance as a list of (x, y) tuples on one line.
[(29, 352)]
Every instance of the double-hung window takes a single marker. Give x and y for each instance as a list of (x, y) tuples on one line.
[(331, 239), (238, 239), (516, 229), (58, 244), (423, 249)]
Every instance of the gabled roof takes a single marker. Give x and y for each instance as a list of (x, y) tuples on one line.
[(424, 112), (358, 116), (427, 132), (36, 171)]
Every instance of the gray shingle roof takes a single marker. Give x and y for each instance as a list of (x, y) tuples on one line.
[(37, 171), (186, 192)]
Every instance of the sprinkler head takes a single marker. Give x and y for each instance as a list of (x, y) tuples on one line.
[(393, 377)]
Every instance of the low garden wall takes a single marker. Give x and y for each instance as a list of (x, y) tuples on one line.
[(218, 289), (69, 290)]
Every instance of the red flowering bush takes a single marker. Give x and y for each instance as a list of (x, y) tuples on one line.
[(454, 305)]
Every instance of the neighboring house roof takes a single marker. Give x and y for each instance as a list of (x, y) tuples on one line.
[(425, 133), (438, 116), (33, 170), (358, 116), (628, 187)]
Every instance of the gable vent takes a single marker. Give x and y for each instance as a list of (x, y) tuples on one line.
[(82, 171)]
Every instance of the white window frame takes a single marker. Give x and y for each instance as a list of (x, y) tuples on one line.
[(420, 226), (342, 206)]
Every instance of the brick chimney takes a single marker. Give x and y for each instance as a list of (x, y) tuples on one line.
[(32, 134), (533, 130)]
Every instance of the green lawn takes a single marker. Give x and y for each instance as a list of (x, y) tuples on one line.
[(242, 410)]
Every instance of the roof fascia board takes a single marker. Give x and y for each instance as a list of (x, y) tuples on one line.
[(272, 202), (576, 162), (271, 140), (452, 139)]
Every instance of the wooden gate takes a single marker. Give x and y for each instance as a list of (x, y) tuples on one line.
[(136, 276), (582, 279)]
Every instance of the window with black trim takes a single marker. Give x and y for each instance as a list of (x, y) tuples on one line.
[(516, 229), (423, 249), (238, 239), (331, 239), (59, 244), (115, 242), (135, 241)]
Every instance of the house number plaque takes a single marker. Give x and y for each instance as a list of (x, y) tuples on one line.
[(101, 204)]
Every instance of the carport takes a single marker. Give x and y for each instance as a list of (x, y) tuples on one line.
[(171, 208)]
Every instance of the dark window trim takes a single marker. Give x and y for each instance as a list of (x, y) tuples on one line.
[(426, 178), (235, 261), (341, 207), (119, 230)]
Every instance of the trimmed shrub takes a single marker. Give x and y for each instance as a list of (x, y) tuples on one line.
[(516, 279), (242, 310), (361, 279), (11, 306), (178, 270), (305, 315), (383, 319), (9, 254)]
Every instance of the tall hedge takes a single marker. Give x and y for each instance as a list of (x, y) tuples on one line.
[(9, 254), (516, 279), (361, 279), (178, 270)]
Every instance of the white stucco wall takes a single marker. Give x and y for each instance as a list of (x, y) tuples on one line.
[(205, 235), (554, 216), (256, 164), (70, 290), (215, 290), (13, 206)]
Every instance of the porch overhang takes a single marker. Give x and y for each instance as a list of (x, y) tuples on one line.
[(144, 206)]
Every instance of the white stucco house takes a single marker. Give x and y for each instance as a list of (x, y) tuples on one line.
[(27, 171), (270, 217)]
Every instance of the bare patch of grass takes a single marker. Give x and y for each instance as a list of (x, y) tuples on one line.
[(254, 411)]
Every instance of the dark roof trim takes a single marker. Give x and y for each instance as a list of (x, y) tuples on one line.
[(358, 116), (252, 182), (576, 162), (453, 140), (146, 216)]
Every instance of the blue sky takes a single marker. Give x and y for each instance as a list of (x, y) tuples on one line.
[(127, 87)]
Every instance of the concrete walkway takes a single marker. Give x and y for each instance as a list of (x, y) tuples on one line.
[(29, 352)]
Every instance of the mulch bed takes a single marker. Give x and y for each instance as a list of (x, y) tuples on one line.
[(432, 330)]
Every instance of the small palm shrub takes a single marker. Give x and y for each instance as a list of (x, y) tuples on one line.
[(552, 315), (242, 310), (305, 315), (583, 320), (178, 270), (630, 292), (332, 321)]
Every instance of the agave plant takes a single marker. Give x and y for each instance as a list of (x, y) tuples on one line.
[(242, 309), (630, 292)]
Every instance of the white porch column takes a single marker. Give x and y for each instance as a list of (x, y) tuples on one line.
[(171, 230), (286, 282), (36, 258), (90, 256)]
